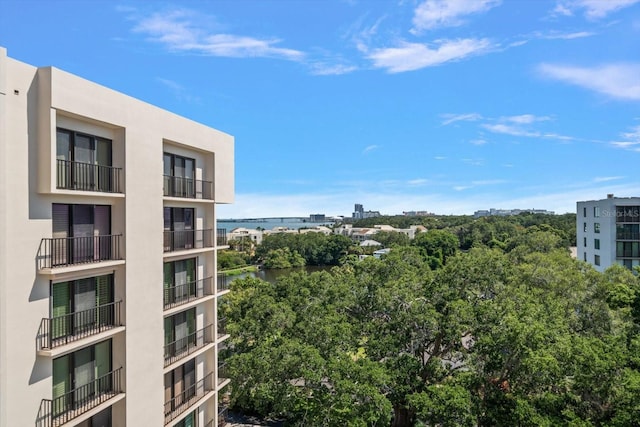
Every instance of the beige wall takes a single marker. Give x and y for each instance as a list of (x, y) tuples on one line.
[(47, 98)]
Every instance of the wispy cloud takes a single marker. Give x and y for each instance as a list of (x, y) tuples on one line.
[(593, 9), (440, 158), (568, 36), (328, 69), (431, 14), (181, 30), (525, 118), (478, 141), (369, 149), (629, 140), (452, 118), (414, 56), (179, 91), (418, 182), (607, 178), (615, 80)]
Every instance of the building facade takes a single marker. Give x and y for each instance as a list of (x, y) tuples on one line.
[(608, 232), (108, 282)]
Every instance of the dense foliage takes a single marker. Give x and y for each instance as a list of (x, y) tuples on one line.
[(314, 248), (513, 334), (482, 231)]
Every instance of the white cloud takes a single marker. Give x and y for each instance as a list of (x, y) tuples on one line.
[(418, 182), (324, 69), (414, 56), (440, 158), (509, 130), (369, 148), (178, 90), (447, 13), (593, 9), (607, 178), (452, 118), (179, 30), (616, 80), (568, 36), (525, 118), (478, 141), (630, 140)]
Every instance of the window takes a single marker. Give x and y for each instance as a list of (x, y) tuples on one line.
[(627, 213), (628, 231), (596, 259), (179, 175), (596, 227), (179, 332), (178, 227), (74, 373), (584, 256), (80, 305), (189, 420), (584, 242), (179, 281), (584, 211), (179, 386), (584, 228), (81, 233), (596, 243), (83, 162), (628, 249), (596, 211)]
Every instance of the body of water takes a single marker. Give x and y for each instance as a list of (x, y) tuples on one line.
[(270, 223)]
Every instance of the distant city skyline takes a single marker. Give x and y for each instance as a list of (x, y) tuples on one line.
[(430, 105)]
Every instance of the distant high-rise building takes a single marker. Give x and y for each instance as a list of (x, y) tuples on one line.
[(608, 231), (358, 211)]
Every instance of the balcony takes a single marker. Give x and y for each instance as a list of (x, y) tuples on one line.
[(67, 251), (187, 398), (223, 375), (189, 188), (58, 331), (223, 283), (222, 327), (187, 239), (183, 294), (87, 177), (222, 237), (223, 413), (62, 409), (185, 346)]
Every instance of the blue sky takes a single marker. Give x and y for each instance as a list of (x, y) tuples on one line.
[(446, 106)]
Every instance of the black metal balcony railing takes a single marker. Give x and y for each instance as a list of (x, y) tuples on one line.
[(187, 239), (62, 409), (185, 346), (57, 331), (223, 283), (223, 413), (87, 177), (223, 375), (221, 239), (184, 400), (65, 251), (176, 186), (182, 294), (222, 327)]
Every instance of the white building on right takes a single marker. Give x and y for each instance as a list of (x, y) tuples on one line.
[(608, 232)]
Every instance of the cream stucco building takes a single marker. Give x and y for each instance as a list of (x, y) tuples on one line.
[(108, 240)]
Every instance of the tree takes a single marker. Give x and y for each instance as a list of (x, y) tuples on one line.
[(438, 245)]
